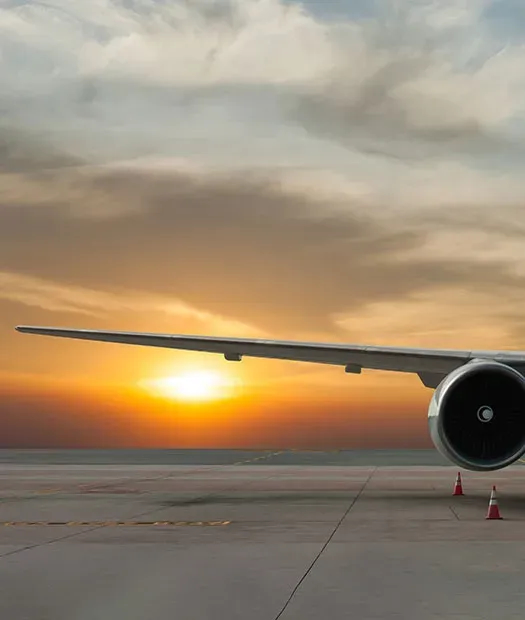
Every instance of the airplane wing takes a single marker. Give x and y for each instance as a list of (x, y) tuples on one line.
[(432, 365)]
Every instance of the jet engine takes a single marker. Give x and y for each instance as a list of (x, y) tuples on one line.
[(477, 416)]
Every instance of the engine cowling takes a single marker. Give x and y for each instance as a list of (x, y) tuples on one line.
[(477, 416)]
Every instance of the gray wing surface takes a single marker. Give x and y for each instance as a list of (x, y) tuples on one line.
[(430, 364)]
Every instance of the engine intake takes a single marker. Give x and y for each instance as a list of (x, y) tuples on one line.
[(477, 416)]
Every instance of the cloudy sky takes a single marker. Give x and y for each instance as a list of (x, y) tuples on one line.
[(337, 170)]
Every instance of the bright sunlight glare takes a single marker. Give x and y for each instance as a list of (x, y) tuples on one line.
[(191, 386)]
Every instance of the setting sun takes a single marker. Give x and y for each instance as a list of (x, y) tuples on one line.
[(194, 386)]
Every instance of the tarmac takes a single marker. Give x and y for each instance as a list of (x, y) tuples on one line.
[(266, 535)]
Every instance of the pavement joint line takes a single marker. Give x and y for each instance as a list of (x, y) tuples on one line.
[(454, 513), (47, 542), (314, 562)]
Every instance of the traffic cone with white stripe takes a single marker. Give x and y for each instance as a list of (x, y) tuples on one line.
[(458, 487), (493, 512)]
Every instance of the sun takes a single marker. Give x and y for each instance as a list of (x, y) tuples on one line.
[(191, 386)]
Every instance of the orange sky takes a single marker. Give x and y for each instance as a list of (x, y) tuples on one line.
[(238, 173), (38, 412)]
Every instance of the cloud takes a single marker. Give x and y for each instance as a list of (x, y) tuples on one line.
[(114, 79), (118, 79), (250, 248), (49, 296), (430, 80), (264, 210), (22, 151), (176, 43), (455, 318)]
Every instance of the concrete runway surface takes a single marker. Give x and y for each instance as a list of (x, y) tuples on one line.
[(254, 540)]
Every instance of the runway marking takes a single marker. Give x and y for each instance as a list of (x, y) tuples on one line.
[(115, 523), (259, 458)]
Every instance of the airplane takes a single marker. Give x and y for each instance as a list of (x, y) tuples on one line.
[(476, 415)]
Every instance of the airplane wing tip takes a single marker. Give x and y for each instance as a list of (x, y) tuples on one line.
[(28, 329)]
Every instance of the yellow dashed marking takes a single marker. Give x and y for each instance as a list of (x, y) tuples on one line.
[(115, 523)]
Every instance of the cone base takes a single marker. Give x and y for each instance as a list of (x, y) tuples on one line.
[(493, 512)]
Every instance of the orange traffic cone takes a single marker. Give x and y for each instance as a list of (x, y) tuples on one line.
[(493, 512), (458, 488)]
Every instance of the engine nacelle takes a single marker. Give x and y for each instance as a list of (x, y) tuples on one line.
[(477, 416)]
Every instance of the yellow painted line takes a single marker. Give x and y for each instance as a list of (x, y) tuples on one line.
[(115, 523)]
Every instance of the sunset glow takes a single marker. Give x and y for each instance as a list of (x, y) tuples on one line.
[(191, 386)]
